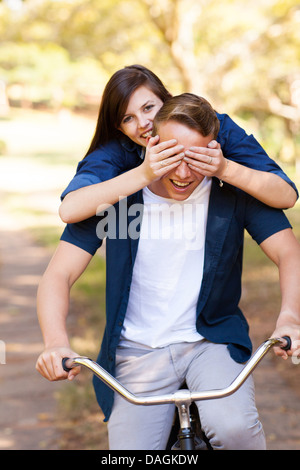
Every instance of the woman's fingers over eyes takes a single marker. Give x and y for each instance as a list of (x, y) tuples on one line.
[(210, 161), (169, 145), (207, 163), (171, 161), (172, 152), (200, 156)]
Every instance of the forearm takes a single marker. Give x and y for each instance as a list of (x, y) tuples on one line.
[(160, 158), (86, 202), (288, 321), (66, 265), (263, 185), (52, 310), (267, 187), (284, 250), (289, 272)]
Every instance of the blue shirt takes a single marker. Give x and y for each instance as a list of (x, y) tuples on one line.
[(118, 156), (219, 318)]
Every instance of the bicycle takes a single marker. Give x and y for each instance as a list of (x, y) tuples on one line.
[(190, 436)]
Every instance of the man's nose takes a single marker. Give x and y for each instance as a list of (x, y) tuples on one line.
[(183, 170)]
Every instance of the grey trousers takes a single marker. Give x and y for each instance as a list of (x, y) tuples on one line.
[(230, 423)]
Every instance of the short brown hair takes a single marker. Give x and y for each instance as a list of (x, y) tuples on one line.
[(191, 110)]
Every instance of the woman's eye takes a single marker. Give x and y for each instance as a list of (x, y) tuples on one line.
[(126, 119), (148, 107)]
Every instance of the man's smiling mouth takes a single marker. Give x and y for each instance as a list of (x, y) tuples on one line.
[(180, 184)]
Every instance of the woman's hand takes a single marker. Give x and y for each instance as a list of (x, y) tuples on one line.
[(161, 158), (208, 161), (49, 364)]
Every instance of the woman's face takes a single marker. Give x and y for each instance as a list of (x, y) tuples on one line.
[(137, 121)]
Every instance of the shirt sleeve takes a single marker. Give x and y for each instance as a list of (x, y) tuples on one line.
[(83, 234), (262, 221), (105, 163), (100, 165), (242, 148)]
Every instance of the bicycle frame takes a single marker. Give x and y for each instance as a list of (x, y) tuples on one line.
[(181, 398)]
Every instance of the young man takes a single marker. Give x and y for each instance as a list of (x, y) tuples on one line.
[(173, 289)]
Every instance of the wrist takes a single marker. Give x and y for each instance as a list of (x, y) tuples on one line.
[(54, 343), (287, 317), (225, 170), (145, 177)]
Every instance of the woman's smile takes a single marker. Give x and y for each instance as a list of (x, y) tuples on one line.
[(142, 108)]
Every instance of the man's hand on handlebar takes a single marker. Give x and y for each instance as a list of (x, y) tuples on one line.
[(49, 364), (293, 332)]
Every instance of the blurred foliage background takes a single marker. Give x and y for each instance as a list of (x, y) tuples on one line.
[(243, 56)]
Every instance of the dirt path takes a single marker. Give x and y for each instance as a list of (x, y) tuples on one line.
[(279, 407), (27, 401)]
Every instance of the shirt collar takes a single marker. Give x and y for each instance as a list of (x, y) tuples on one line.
[(131, 146)]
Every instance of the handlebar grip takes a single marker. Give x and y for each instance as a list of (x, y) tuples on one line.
[(288, 345), (63, 363)]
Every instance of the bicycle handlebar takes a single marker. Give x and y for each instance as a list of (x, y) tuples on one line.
[(182, 395)]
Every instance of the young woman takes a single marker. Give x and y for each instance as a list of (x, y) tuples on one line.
[(124, 157)]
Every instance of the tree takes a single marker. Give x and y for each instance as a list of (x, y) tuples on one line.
[(243, 56)]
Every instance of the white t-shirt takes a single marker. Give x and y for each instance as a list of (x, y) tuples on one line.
[(168, 270)]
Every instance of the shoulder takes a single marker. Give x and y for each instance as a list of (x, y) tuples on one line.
[(260, 220), (229, 127), (120, 153), (246, 212)]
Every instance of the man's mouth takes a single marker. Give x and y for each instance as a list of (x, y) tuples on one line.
[(180, 184)]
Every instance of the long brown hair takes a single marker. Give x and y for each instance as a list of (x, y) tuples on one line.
[(115, 100)]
